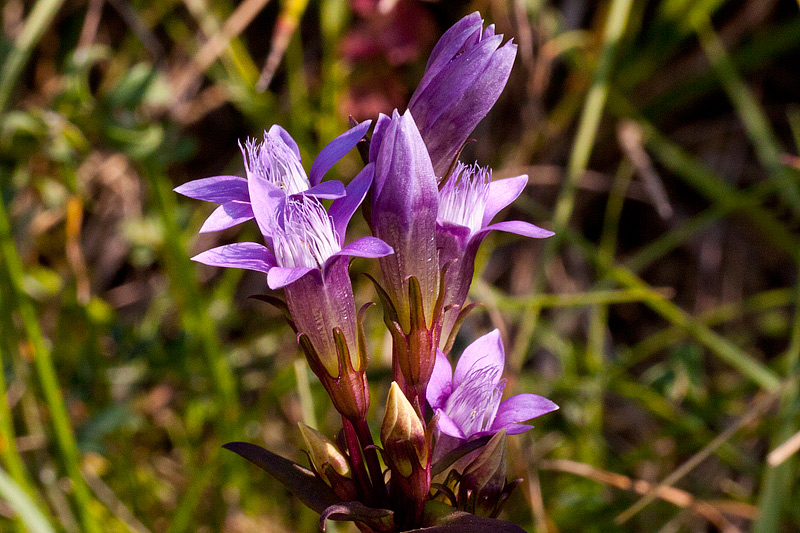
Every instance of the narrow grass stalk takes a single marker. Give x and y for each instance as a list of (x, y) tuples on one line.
[(764, 140), (36, 24), (10, 452), (590, 116), (16, 497), (45, 369), (578, 299), (579, 157), (193, 308), (776, 487)]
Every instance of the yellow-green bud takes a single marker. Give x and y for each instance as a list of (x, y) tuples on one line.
[(323, 451), (402, 423)]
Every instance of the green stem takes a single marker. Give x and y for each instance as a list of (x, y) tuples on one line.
[(47, 376)]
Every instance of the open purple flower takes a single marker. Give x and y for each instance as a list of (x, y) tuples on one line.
[(465, 75), (308, 259), (468, 400), (273, 162), (468, 201)]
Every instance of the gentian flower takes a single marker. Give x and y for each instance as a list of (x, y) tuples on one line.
[(467, 401), (464, 77), (308, 259), (468, 201), (404, 207), (275, 162)]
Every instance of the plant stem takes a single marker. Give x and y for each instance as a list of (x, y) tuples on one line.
[(373, 462), (357, 462)]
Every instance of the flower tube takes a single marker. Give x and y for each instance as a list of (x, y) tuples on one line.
[(468, 201)]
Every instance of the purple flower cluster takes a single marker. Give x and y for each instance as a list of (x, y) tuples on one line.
[(428, 214)]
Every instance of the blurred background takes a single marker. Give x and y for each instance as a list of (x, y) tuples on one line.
[(661, 139)]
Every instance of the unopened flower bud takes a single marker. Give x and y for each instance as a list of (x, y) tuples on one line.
[(402, 430), (483, 487), (323, 453)]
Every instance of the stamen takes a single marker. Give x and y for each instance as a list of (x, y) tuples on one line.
[(473, 405), (306, 238), (463, 198), (274, 161)]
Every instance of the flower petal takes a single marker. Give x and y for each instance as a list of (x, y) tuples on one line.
[(502, 193), (447, 426), (335, 150), (377, 136), (265, 199), (484, 352), (217, 189), (520, 408), (450, 44), (283, 134), (227, 215), (279, 277), (342, 209), (366, 247), (246, 255), (441, 383), (526, 229), (327, 190)]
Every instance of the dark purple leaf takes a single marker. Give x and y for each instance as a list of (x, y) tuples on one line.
[(377, 519), (300, 481), (459, 522)]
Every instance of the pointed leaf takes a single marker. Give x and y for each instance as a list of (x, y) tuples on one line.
[(378, 519), (300, 481)]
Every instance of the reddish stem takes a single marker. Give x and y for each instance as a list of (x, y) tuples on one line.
[(373, 462), (357, 462)]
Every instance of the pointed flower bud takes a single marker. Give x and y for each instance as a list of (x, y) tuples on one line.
[(404, 206), (402, 426), (483, 486), (323, 452), (465, 75)]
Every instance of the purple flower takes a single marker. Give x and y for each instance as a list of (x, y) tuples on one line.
[(272, 163), (468, 400), (465, 75), (468, 201), (307, 258)]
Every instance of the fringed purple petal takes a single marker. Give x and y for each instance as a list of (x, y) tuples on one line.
[(283, 134), (369, 247), (441, 383), (227, 215), (447, 426), (485, 352), (265, 199), (520, 408), (279, 277), (526, 229), (326, 190), (335, 150), (246, 255), (217, 189), (342, 210), (501, 194)]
